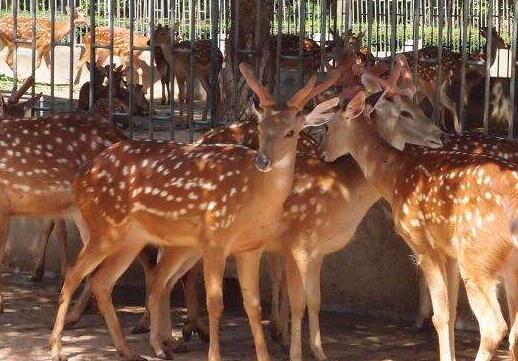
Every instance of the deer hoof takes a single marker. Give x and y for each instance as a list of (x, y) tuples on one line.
[(176, 347), (164, 355), (59, 357), (37, 275), (140, 329)]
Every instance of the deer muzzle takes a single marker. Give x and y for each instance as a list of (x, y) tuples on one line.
[(263, 162)]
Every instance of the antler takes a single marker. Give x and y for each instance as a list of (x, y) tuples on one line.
[(265, 98), (16, 95), (299, 100)]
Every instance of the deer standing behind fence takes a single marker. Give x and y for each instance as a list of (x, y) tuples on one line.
[(178, 57), (43, 34), (456, 211)]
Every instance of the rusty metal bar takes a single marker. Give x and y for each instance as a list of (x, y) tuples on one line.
[(172, 125), (302, 28), (152, 67), (214, 88), (110, 74), (440, 29)]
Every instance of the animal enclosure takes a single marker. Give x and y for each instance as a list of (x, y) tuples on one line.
[(300, 36)]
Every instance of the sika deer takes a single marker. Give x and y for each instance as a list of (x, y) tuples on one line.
[(100, 90), (195, 201), (43, 34), (324, 208), (121, 48), (39, 160), (165, 73), (177, 56), (454, 210)]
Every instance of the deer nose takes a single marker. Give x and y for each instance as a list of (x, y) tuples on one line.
[(326, 157), (263, 162)]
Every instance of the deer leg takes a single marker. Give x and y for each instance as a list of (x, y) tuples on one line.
[(205, 84), (313, 300), (284, 312), (46, 227), (213, 269), (434, 270), (4, 226), (482, 295), (46, 55), (165, 306), (60, 230), (453, 279), (425, 302), (89, 258), (9, 57), (148, 262), (181, 97), (162, 80), (194, 324), (449, 104), (102, 282), (248, 273), (170, 263), (297, 306), (275, 272), (511, 291), (83, 58)]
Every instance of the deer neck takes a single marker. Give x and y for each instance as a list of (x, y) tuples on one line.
[(381, 163), (273, 188), (61, 29)]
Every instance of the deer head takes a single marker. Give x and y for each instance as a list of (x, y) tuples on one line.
[(79, 16), (496, 40), (279, 124), (140, 103), (396, 118)]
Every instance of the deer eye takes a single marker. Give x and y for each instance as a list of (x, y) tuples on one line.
[(290, 134), (406, 114)]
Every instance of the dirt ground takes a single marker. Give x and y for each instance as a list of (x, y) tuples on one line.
[(30, 311)]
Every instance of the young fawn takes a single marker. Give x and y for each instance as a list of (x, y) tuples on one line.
[(455, 210)]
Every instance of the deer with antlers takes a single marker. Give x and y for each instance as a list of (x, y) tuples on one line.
[(43, 34), (178, 57), (456, 211), (322, 212), (205, 194)]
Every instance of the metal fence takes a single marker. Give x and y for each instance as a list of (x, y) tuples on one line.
[(391, 26)]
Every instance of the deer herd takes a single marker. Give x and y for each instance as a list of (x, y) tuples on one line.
[(262, 186)]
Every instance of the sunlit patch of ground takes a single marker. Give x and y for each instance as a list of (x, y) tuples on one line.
[(31, 307)]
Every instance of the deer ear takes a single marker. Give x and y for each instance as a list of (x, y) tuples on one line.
[(67, 9), (356, 106), (321, 113)]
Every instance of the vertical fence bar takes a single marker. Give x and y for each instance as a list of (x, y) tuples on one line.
[(15, 44), (393, 30), (131, 40), (370, 4), (464, 53), (33, 52), (278, 52), (110, 74), (440, 29), (512, 90), (302, 28), (235, 61), (171, 76), (152, 67), (72, 7), (192, 29), (52, 51), (323, 31), (92, 56), (488, 64), (417, 12)]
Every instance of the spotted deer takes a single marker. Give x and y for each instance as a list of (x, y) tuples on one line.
[(43, 34), (40, 157), (164, 70), (196, 201), (323, 210), (14, 109), (121, 48), (177, 56), (456, 211), (100, 90)]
